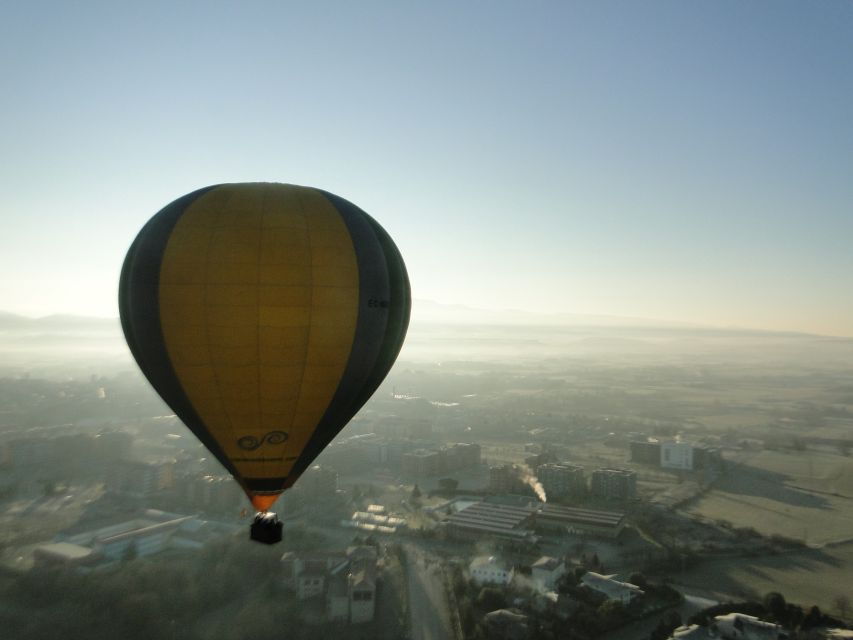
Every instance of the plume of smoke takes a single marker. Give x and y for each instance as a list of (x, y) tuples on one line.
[(528, 477)]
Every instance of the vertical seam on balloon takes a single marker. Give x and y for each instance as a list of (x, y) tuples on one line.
[(310, 311), (214, 228), (258, 311)]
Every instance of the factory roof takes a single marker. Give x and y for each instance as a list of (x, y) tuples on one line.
[(493, 518), (65, 551), (547, 563), (583, 516)]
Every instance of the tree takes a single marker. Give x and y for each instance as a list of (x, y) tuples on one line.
[(842, 604), (416, 493), (448, 484), (611, 612), (776, 605), (813, 618), (491, 599), (666, 625)]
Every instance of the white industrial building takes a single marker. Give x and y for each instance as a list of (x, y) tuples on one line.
[(546, 571), (611, 589), (490, 570)]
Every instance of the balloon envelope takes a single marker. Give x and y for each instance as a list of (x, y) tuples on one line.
[(265, 315)]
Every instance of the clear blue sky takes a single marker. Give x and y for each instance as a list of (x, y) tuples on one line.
[(678, 160)]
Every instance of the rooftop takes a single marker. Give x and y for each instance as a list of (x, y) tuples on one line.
[(547, 562), (487, 561), (585, 516), (65, 550)]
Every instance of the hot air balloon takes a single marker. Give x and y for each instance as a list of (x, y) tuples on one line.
[(265, 315)]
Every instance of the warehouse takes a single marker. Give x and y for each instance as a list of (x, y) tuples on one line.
[(605, 524), (486, 519)]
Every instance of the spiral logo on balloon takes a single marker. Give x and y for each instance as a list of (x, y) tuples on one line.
[(250, 443)]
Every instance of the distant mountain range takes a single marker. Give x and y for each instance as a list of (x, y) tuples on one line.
[(429, 312), (424, 312), (62, 322), (62, 345)]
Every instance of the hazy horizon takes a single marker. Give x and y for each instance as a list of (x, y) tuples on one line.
[(427, 312)]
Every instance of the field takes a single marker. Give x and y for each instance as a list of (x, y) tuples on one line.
[(806, 495), (808, 577)]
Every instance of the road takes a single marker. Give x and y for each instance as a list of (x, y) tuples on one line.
[(428, 607)]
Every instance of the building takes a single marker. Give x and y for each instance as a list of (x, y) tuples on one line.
[(546, 571), (372, 521), (150, 532), (676, 455), (307, 574), (318, 483), (361, 583), (505, 478), (506, 624), (614, 484), (705, 457), (487, 519), (693, 632), (538, 459), (461, 455), (346, 582), (113, 445), (646, 451), (351, 455), (141, 480), (30, 453), (490, 570), (739, 626), (611, 589), (561, 480), (64, 554), (422, 463), (594, 522), (212, 494)]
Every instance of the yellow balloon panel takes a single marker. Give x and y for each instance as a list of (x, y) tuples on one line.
[(259, 302)]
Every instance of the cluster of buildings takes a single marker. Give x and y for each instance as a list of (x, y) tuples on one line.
[(422, 463), (57, 451), (413, 457), (521, 522), (220, 494), (375, 520), (733, 626), (675, 454), (342, 584), (546, 572), (564, 480), (146, 533)]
